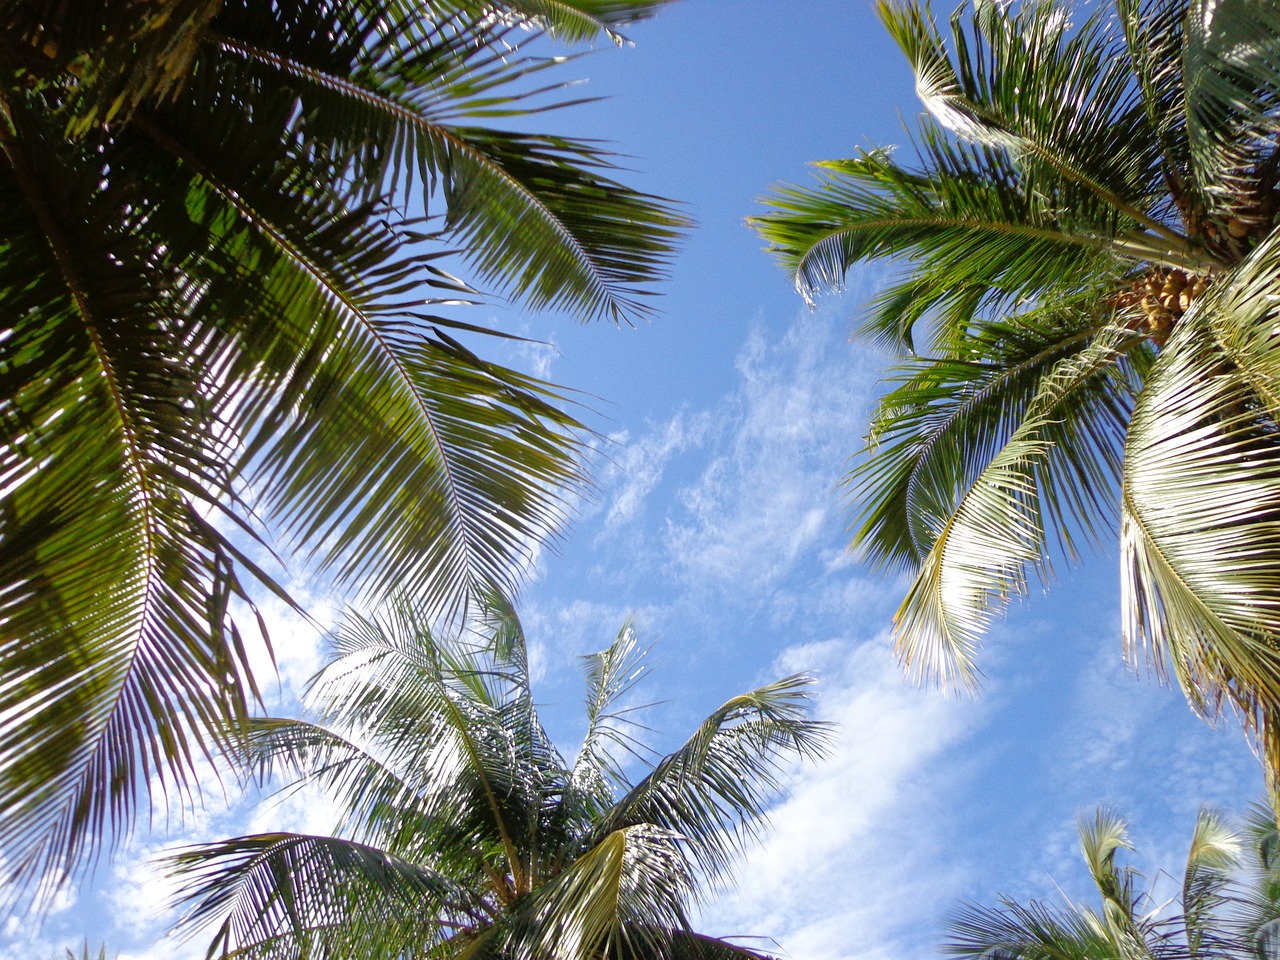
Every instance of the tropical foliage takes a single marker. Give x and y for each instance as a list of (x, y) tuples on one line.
[(467, 834), (1227, 906), (225, 305), (1084, 329)]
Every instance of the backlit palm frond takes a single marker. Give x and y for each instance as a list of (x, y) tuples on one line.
[(625, 895), (1201, 506), (980, 231), (1101, 838), (292, 895), (140, 53), (1034, 931), (336, 363), (380, 803), (1255, 921), (715, 790), (585, 19), (1051, 92), (216, 303), (1221, 910), (1232, 78), (452, 726), (612, 674), (486, 847), (536, 215), (117, 651), (947, 417), (1213, 858), (1055, 470)]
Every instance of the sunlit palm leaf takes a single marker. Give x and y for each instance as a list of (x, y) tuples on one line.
[(626, 894), (292, 895), (1050, 92), (1200, 535), (947, 417), (981, 232), (1222, 910), (489, 846), (724, 774), (1232, 81), (982, 548)]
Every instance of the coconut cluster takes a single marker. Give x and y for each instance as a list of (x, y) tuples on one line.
[(1164, 296)]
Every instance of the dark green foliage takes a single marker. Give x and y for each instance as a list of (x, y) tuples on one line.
[(224, 307)]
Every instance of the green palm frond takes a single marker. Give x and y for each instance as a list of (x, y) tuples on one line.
[(714, 790), (946, 418), (535, 215), (1053, 467), (290, 895), (612, 674), (981, 233), (586, 19), (1050, 92), (220, 306), (1215, 853)]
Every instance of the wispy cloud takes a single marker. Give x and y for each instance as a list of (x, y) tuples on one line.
[(766, 497)]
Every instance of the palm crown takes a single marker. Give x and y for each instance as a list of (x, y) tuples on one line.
[(1227, 904), (467, 834), (224, 304), (1085, 330)]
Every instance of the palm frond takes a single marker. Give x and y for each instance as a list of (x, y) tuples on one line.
[(537, 216), (1054, 465), (257, 330), (119, 656), (1214, 854), (612, 674), (291, 895), (1232, 79), (1049, 91), (982, 232), (626, 895), (934, 432), (714, 791), (1199, 529)]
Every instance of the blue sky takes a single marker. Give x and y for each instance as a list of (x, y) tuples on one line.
[(718, 524)]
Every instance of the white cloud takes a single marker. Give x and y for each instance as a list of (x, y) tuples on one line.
[(635, 468), (855, 863), (771, 452)]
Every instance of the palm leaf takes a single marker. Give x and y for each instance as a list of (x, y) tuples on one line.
[(1232, 78), (1053, 94), (945, 420), (291, 895), (714, 791), (1055, 463), (1201, 481), (625, 895)]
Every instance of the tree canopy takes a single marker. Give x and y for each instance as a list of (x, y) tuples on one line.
[(227, 319), (1083, 328), (467, 834)]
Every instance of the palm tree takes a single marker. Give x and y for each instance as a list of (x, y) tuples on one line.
[(1084, 331), (1227, 907), (225, 307), (466, 834)]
